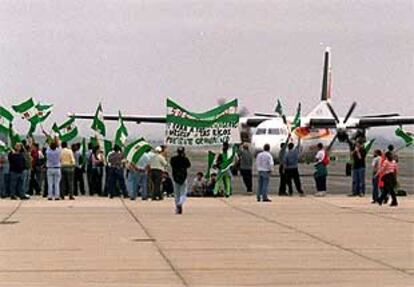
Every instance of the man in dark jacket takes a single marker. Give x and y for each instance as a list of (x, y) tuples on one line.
[(17, 164), (180, 164)]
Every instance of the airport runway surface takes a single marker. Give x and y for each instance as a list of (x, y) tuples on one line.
[(331, 241)]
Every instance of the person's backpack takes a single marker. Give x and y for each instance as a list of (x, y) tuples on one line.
[(326, 160)]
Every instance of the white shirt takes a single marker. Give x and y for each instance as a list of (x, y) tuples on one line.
[(143, 161), (320, 155), (264, 161)]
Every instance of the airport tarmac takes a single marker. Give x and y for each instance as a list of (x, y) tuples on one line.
[(331, 241)]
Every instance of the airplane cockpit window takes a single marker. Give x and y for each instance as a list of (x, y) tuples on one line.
[(273, 131), (260, 131)]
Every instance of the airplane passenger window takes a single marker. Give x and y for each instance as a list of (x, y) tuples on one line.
[(260, 131), (273, 131)]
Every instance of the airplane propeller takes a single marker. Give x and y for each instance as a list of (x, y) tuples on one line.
[(341, 131)]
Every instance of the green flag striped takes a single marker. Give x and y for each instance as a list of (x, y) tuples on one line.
[(98, 124), (121, 133), (67, 131), (6, 118), (136, 149)]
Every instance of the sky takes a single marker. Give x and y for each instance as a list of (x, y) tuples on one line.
[(132, 55)]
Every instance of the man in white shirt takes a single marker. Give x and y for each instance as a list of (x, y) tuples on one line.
[(264, 165)]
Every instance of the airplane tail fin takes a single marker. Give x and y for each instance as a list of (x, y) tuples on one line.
[(327, 76), (322, 110)]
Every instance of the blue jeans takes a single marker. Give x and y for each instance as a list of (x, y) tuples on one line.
[(26, 181), (263, 185), (137, 181), (16, 184), (375, 188), (116, 175), (358, 181), (53, 182), (180, 191)]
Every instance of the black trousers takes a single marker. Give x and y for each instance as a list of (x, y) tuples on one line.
[(283, 182), (96, 181), (389, 188), (247, 176), (293, 174), (320, 183), (35, 181), (78, 182), (156, 176)]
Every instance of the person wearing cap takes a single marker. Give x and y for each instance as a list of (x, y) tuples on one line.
[(158, 164), (180, 164)]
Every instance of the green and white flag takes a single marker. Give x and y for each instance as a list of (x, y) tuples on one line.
[(210, 162), (228, 160), (104, 144), (13, 137), (6, 119), (27, 109), (98, 124), (407, 138), (296, 120), (121, 133), (43, 112), (83, 152), (368, 145), (279, 108), (3, 147), (67, 131), (213, 127), (136, 149)]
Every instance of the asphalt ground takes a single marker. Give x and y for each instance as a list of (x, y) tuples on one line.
[(291, 241)]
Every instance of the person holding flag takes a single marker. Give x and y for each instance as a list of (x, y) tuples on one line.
[(138, 158), (223, 163)]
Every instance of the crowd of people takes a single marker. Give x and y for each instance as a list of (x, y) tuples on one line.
[(58, 171)]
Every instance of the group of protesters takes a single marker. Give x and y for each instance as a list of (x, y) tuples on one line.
[(384, 166), (58, 171)]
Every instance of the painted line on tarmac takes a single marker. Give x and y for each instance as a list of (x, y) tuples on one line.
[(315, 237), (360, 211), (154, 241), (5, 220)]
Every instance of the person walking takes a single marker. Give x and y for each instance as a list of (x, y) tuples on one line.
[(389, 169), (282, 172), (291, 166), (264, 166), (246, 165), (158, 164), (321, 170), (180, 164), (358, 170), (67, 163), (17, 165), (116, 160), (53, 171)]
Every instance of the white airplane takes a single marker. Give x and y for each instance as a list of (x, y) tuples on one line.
[(321, 125)]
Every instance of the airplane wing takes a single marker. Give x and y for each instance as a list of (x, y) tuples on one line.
[(249, 121), (360, 123), (127, 118)]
